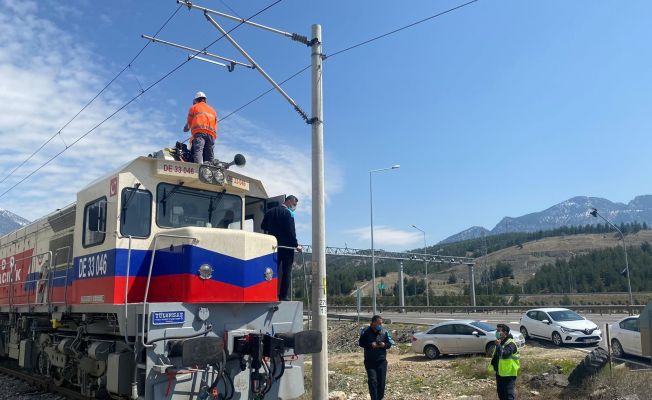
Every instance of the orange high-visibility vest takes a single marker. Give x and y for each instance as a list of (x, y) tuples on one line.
[(202, 118)]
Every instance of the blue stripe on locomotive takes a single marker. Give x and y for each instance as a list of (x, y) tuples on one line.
[(184, 259)]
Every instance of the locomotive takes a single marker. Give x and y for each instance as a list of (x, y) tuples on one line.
[(157, 283)]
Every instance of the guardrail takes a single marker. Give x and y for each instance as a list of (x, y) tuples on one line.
[(589, 309)]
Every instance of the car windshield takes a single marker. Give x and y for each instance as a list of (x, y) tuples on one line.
[(481, 325), (566, 315)]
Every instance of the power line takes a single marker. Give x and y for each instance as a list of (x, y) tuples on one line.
[(133, 99), (231, 9), (91, 100), (255, 98), (183, 139), (401, 28), (351, 48)]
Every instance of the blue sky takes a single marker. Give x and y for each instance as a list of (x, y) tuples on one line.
[(497, 109)]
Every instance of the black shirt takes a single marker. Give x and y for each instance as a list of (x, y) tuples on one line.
[(369, 336), (279, 222)]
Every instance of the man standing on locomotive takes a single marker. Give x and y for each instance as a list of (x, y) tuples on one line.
[(202, 123), (279, 222)]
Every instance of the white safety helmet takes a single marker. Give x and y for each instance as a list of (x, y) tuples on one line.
[(199, 95)]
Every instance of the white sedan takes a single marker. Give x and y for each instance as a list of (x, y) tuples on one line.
[(626, 337), (560, 325), (458, 337)]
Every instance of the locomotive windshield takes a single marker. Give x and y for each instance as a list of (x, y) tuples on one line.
[(178, 206)]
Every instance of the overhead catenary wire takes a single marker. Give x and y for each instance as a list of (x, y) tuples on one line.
[(373, 39), (365, 42), (91, 100), (165, 76)]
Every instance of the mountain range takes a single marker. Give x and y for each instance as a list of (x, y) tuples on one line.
[(10, 221), (572, 212)]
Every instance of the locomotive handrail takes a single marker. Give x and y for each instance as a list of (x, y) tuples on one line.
[(52, 279), (127, 294), (11, 281), (149, 277), (305, 279)]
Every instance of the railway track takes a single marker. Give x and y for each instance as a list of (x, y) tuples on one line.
[(19, 385)]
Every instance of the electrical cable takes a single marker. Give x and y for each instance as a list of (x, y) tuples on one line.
[(400, 29), (257, 97), (91, 100), (348, 49), (132, 100)]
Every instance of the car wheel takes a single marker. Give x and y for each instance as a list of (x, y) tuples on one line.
[(489, 350), (556, 339), (431, 352), (524, 333), (617, 348)]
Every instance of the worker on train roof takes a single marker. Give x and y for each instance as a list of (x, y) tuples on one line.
[(202, 123)]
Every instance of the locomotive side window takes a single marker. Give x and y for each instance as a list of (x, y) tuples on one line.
[(178, 206), (135, 212), (94, 223)]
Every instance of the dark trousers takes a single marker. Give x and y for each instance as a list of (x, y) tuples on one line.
[(202, 148), (505, 386), (285, 261), (376, 378)]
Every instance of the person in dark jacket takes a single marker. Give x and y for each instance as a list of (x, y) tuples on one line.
[(506, 362), (375, 340), (279, 222)]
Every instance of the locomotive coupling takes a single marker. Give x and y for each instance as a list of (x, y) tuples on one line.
[(208, 350)]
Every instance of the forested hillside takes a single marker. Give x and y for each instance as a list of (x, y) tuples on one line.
[(589, 271), (476, 247)]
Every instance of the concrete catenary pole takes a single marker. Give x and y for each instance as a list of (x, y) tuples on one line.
[(401, 288), (319, 360), (472, 273)]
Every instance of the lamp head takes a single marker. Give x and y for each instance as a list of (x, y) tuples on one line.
[(594, 212)]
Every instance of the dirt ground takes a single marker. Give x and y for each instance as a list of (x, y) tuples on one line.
[(544, 369), (414, 376)]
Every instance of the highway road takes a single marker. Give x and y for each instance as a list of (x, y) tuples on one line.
[(511, 319)]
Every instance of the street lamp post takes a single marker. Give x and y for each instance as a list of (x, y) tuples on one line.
[(373, 256), (425, 259), (594, 212)]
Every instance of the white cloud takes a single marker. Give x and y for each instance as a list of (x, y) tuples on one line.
[(47, 75), (386, 236)]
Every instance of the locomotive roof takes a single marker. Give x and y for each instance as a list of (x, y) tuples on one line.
[(256, 185)]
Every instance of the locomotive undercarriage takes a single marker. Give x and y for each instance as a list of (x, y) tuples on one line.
[(198, 351)]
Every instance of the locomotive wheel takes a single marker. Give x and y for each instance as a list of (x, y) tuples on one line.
[(57, 376), (43, 363)]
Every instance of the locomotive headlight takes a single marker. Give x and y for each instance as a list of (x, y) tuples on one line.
[(269, 274), (205, 271), (206, 174), (218, 176)]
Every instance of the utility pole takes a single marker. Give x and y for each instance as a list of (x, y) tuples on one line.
[(319, 360), (472, 273), (425, 260), (319, 305), (401, 288), (594, 212)]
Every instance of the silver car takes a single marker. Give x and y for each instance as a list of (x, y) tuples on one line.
[(459, 337)]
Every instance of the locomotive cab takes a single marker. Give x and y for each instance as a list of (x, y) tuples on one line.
[(176, 230)]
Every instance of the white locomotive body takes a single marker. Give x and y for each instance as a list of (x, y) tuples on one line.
[(157, 283)]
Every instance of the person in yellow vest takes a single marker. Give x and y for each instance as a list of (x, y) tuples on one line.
[(202, 123), (505, 361)]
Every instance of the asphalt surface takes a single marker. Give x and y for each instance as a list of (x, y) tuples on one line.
[(511, 319)]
